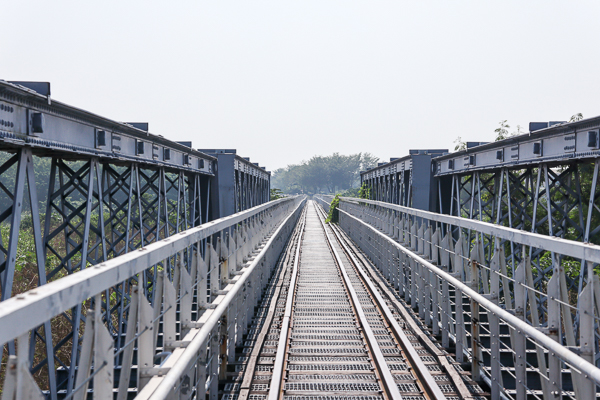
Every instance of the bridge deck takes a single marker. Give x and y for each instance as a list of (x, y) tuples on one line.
[(332, 335)]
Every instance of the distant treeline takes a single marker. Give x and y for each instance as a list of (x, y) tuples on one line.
[(323, 174)]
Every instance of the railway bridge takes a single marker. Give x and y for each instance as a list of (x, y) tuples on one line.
[(137, 267)]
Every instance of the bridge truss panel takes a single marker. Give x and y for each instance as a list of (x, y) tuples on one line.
[(406, 181), (545, 182), (111, 189), (240, 184)]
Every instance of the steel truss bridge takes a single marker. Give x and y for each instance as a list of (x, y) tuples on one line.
[(132, 266)]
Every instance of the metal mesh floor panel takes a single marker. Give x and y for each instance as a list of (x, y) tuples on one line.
[(327, 337), (332, 387), (408, 388), (329, 367), (346, 343), (326, 330), (341, 377), (332, 397), (446, 388), (326, 351), (404, 377)]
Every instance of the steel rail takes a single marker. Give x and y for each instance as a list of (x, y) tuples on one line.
[(417, 363), (583, 251), (585, 368), (387, 378), (275, 388)]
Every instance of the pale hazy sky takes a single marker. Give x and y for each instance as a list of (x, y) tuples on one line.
[(284, 80)]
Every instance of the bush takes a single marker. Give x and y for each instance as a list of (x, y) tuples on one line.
[(334, 213)]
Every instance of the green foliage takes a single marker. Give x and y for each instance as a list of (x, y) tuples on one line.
[(502, 131), (364, 192), (41, 168), (576, 117), (276, 194), (323, 174), (334, 213), (460, 145), (353, 192)]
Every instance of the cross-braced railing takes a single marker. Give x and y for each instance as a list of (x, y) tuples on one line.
[(516, 333), (177, 335)]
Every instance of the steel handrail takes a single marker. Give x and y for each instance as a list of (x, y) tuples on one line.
[(20, 314), (584, 367)]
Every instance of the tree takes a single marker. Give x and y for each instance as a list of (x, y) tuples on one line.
[(323, 174), (276, 194), (502, 131), (460, 145), (576, 117)]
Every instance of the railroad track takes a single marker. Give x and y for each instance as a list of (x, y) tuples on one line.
[(334, 334)]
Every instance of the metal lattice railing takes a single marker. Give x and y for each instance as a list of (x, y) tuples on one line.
[(177, 334), (515, 333)]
